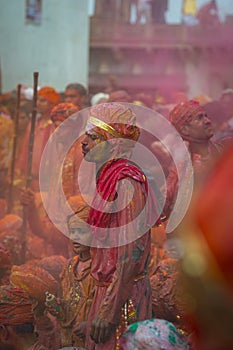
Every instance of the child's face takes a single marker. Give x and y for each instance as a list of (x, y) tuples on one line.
[(80, 236)]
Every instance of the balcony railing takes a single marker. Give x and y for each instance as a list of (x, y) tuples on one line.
[(106, 33)]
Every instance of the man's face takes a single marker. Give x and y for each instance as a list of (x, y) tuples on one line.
[(23, 121), (199, 128), (73, 96), (95, 148), (43, 106)]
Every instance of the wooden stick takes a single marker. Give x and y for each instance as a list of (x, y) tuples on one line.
[(29, 167), (15, 139)]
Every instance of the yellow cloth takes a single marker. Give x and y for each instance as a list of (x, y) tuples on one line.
[(190, 7)]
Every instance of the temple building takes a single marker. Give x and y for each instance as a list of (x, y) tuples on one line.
[(155, 57)]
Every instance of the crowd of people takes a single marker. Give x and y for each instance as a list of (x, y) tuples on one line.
[(128, 11), (207, 16), (155, 12), (115, 279)]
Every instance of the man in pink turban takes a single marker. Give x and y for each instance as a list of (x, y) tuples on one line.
[(192, 123)]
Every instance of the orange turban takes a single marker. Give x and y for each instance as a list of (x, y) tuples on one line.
[(80, 208), (62, 111), (53, 264), (34, 280), (114, 120), (15, 306), (78, 202), (50, 94), (184, 112)]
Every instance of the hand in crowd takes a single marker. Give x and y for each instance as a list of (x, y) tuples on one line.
[(101, 330), (80, 329), (27, 197), (54, 307)]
